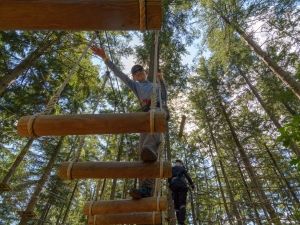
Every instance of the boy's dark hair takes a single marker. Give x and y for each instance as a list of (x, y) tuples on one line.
[(136, 68), (179, 161)]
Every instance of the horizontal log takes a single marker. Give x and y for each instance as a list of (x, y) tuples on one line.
[(78, 14), (125, 206), (84, 124), (96, 170), (126, 218)]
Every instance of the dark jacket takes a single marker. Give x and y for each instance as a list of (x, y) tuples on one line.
[(179, 177)]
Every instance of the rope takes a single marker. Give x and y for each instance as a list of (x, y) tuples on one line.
[(154, 93), (158, 203), (54, 99), (152, 120), (153, 217), (142, 15), (90, 208), (69, 171), (57, 94), (30, 124)]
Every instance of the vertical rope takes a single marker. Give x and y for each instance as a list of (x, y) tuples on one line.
[(54, 99)]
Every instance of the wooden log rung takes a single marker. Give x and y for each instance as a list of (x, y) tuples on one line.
[(86, 124), (97, 170), (79, 14), (125, 206), (126, 218)]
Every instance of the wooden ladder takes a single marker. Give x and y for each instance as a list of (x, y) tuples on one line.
[(143, 211)]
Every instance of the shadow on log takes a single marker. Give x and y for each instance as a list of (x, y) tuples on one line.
[(126, 218), (125, 206), (96, 170)]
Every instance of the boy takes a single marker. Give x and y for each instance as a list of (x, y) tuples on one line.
[(143, 89), (179, 189)]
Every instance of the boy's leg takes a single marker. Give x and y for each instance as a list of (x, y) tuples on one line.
[(182, 206), (145, 189), (148, 146)]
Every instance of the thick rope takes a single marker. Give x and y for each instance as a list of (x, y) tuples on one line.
[(154, 93), (90, 208), (30, 125), (69, 171), (54, 99), (142, 15), (153, 217)]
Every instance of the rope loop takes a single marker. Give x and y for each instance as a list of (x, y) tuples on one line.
[(90, 208), (161, 169), (158, 203), (152, 120), (153, 217), (30, 125), (69, 171)]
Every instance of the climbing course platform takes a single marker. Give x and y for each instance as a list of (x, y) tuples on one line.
[(80, 14)]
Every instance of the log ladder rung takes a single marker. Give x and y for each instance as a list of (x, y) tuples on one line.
[(79, 15), (126, 218), (97, 170), (125, 206), (87, 124)]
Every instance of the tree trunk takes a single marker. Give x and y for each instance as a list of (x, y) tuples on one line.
[(27, 62), (234, 206), (45, 212), (42, 181), (69, 204), (194, 215), (281, 174), (273, 118), (258, 187), (278, 71), (17, 162)]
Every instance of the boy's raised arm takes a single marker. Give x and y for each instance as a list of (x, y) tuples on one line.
[(100, 52)]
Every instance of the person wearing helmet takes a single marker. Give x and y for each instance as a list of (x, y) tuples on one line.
[(178, 185), (142, 88)]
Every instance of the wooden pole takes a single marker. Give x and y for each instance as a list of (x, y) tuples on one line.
[(79, 15), (125, 206), (107, 123), (96, 170), (126, 218)]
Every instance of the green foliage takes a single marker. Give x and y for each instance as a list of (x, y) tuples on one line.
[(291, 132)]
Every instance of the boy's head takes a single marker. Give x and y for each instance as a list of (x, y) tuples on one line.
[(138, 73), (178, 162)]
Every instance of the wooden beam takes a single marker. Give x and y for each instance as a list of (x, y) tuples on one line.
[(87, 170), (125, 206), (126, 218), (114, 123), (78, 14)]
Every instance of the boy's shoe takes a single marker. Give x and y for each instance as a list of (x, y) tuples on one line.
[(148, 155), (140, 193)]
